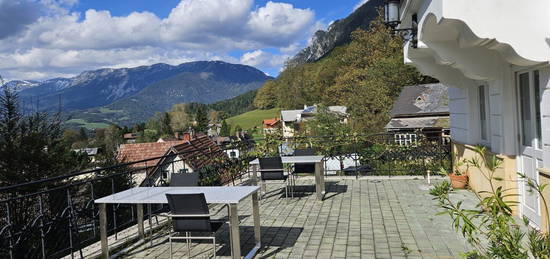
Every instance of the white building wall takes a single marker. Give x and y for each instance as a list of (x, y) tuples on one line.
[(495, 111), (175, 167), (459, 114), (465, 115), (545, 113), (468, 42)]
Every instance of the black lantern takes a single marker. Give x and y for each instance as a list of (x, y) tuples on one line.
[(391, 13), (392, 19)]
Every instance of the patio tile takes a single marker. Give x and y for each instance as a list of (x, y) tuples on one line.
[(371, 219)]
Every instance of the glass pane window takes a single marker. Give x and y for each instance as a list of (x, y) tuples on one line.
[(538, 129), (525, 106), (483, 112)]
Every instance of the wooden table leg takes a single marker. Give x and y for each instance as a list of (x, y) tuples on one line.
[(103, 230)]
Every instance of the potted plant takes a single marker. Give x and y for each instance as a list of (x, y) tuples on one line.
[(459, 179)]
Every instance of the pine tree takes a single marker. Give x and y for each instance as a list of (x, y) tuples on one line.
[(225, 131), (82, 134), (201, 118), (32, 146), (166, 125)]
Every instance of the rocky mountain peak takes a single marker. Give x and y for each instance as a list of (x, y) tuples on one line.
[(337, 34)]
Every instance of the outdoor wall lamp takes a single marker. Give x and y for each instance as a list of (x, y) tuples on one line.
[(392, 20)]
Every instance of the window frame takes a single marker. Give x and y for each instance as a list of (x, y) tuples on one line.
[(484, 131)]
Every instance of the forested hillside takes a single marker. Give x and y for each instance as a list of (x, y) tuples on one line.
[(365, 75)]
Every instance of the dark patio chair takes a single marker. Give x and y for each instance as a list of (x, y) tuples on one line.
[(271, 169), (189, 213), (304, 152), (179, 180), (308, 168), (184, 179)]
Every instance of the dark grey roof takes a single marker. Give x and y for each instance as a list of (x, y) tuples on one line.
[(421, 100), (419, 122)]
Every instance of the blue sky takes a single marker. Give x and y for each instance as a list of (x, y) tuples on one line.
[(42, 39)]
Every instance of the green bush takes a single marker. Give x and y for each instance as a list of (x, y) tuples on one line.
[(491, 220)]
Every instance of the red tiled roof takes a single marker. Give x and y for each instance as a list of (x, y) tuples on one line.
[(199, 152), (141, 151), (270, 122)]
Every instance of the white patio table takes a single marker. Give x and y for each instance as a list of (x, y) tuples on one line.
[(319, 174), (230, 195)]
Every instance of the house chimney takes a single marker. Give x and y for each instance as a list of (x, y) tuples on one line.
[(192, 134), (186, 136), (177, 135)]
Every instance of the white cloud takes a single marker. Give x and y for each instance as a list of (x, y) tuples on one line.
[(191, 20), (264, 59), (278, 23), (61, 42), (16, 16), (291, 49)]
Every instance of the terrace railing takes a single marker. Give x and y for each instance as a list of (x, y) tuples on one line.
[(56, 217)]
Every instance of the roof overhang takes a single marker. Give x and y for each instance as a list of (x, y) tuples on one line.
[(455, 44), (419, 122)]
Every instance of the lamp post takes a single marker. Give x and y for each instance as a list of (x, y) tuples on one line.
[(391, 13), (392, 19)]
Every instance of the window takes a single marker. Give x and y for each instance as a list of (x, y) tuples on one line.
[(525, 106), (529, 92), (537, 109), (483, 113)]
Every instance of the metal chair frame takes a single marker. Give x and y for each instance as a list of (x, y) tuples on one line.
[(289, 182), (188, 236)]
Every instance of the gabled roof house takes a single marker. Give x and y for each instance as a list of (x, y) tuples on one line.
[(421, 108), (269, 125), (186, 157), (291, 119), (134, 152), (494, 56)]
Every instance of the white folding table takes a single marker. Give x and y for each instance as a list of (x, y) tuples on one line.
[(319, 174), (230, 195)]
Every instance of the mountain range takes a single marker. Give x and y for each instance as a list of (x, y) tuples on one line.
[(129, 95)]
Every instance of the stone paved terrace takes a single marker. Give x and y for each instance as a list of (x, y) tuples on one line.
[(365, 218)]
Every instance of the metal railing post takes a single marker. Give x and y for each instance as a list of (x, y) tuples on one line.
[(42, 235), (70, 222), (10, 231), (355, 158), (93, 209), (114, 209)]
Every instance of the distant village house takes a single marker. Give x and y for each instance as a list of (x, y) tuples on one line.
[(271, 125), (420, 109), (292, 120)]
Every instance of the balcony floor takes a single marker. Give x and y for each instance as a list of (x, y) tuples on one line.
[(366, 218)]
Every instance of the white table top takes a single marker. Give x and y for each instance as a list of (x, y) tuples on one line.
[(294, 159), (157, 195)]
